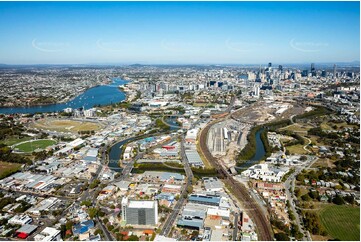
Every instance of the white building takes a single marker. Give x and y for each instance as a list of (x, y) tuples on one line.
[(127, 153), (20, 219), (191, 136), (265, 173), (48, 234), (140, 212)]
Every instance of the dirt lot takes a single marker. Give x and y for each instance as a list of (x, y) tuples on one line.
[(65, 125)]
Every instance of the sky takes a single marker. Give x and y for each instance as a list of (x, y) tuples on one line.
[(179, 32)]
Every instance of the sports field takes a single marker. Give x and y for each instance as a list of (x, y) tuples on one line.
[(341, 222), (65, 125), (30, 146), (7, 168)]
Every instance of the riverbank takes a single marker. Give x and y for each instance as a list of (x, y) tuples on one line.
[(96, 96), (69, 98)]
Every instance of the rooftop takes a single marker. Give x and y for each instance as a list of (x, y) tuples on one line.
[(142, 204)]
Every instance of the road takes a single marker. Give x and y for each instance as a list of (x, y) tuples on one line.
[(235, 225), (290, 187), (172, 217), (106, 233)]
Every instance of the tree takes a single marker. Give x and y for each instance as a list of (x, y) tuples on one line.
[(93, 212), (133, 238), (303, 158), (87, 203), (306, 197), (282, 237), (338, 200), (190, 189), (69, 225)]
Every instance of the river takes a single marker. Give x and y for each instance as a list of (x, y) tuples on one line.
[(260, 153), (114, 155), (115, 150), (99, 95)]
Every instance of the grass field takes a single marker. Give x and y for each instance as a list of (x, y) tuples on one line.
[(7, 168), (15, 140), (297, 127), (65, 125), (341, 222), (296, 149), (30, 146)]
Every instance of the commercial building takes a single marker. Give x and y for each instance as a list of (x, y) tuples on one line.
[(48, 234), (140, 212), (20, 219), (83, 227)]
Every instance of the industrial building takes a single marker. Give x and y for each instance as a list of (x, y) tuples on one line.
[(25, 231), (205, 199), (192, 216), (193, 157)]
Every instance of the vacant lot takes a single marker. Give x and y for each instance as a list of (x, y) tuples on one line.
[(65, 125), (32, 145), (7, 168), (341, 222)]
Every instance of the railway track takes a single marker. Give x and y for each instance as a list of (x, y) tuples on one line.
[(263, 226)]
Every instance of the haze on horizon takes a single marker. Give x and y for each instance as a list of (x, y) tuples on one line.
[(179, 32)]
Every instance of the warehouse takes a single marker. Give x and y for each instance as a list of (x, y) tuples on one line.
[(193, 157), (205, 199), (25, 231)]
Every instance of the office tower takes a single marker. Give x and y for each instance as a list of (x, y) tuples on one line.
[(269, 64), (140, 212), (304, 73), (256, 90), (280, 68), (324, 73), (313, 69), (334, 71)]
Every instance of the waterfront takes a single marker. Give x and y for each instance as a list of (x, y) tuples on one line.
[(115, 153), (99, 95), (260, 153)]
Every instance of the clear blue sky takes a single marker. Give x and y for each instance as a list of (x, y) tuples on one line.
[(178, 32)]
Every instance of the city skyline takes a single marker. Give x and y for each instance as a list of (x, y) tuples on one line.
[(179, 32)]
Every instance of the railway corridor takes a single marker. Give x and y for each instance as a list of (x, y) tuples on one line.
[(263, 226)]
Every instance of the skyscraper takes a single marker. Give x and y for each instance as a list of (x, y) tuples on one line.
[(324, 73), (269, 65), (280, 68), (334, 71), (313, 69)]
